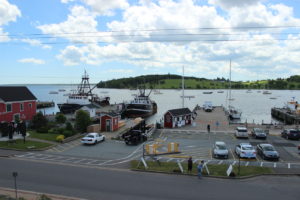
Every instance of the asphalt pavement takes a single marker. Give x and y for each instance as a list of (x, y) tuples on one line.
[(100, 183)]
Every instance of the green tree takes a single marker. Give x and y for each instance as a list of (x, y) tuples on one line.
[(39, 121), (60, 118), (82, 120)]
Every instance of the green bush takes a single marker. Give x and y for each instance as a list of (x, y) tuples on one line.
[(67, 133), (69, 126), (39, 120), (82, 120), (43, 129), (60, 118)]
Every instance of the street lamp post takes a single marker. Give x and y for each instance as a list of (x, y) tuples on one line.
[(15, 174)]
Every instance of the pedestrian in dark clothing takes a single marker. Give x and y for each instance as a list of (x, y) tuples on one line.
[(23, 130), (10, 130), (208, 127), (190, 164), (199, 169)]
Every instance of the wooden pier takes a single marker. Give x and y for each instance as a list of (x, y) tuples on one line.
[(44, 104), (285, 116)]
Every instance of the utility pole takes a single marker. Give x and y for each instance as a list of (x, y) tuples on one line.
[(15, 174), (182, 84)]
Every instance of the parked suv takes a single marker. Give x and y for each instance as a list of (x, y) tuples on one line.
[(291, 134), (259, 133), (241, 132)]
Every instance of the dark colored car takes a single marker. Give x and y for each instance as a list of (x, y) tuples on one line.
[(267, 152), (291, 134), (259, 133)]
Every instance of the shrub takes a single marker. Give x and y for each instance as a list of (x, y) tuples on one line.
[(82, 120), (43, 129), (60, 118), (67, 133), (39, 120), (69, 126), (60, 138)]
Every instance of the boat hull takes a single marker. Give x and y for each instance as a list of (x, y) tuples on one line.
[(67, 108), (144, 111)]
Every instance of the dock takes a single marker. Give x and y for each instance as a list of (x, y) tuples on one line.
[(44, 104), (286, 116)]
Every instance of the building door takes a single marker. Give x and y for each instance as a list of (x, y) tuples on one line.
[(108, 125)]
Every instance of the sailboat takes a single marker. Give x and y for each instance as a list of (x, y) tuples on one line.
[(232, 111)]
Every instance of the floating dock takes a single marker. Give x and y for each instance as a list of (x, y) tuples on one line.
[(44, 104), (285, 115)]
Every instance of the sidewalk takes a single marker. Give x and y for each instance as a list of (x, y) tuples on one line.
[(29, 195)]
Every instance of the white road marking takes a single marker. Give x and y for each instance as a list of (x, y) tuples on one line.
[(234, 163), (195, 160), (247, 163), (261, 164), (220, 162), (170, 159), (275, 165), (289, 165)]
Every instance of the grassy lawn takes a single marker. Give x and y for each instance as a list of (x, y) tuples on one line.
[(215, 170), (43, 136), (21, 146)]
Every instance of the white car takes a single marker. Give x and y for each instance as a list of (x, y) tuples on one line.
[(220, 150), (92, 138), (241, 132), (245, 150)]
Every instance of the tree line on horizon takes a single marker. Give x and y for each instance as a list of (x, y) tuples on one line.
[(173, 81)]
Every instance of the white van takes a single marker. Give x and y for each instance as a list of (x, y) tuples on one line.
[(241, 132)]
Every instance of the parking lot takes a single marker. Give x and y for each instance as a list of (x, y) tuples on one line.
[(199, 144)]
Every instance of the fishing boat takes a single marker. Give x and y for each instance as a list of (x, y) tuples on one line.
[(141, 105), (220, 91), (81, 97), (53, 92), (233, 112), (61, 90), (267, 92)]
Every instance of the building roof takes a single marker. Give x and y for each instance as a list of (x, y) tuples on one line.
[(111, 114), (180, 111), (15, 93)]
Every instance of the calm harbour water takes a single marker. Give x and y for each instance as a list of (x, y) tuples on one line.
[(254, 106)]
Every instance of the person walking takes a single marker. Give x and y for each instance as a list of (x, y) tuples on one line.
[(199, 169), (208, 128), (190, 164)]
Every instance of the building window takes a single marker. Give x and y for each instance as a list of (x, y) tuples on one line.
[(8, 108), (30, 105), (21, 106)]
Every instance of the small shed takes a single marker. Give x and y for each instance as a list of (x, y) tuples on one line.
[(109, 121), (90, 108), (177, 118)]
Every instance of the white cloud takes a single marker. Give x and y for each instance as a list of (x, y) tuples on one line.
[(34, 42), (227, 4), (254, 56), (78, 27), (32, 60), (103, 7), (8, 12), (71, 55)]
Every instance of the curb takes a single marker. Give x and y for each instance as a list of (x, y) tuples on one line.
[(218, 177), (25, 150), (37, 194)]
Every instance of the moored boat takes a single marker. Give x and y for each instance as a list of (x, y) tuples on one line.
[(140, 106), (81, 97)]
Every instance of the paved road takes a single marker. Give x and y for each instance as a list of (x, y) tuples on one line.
[(98, 183)]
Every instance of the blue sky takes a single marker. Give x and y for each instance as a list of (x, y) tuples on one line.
[(54, 41)]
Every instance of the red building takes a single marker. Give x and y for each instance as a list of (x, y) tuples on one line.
[(177, 118), (109, 121), (16, 102)]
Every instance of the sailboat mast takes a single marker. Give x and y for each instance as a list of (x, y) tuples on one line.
[(229, 82), (182, 84)]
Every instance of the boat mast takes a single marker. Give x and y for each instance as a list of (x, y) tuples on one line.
[(182, 84), (229, 83), (84, 87)]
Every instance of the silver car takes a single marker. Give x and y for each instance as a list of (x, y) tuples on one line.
[(220, 150)]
